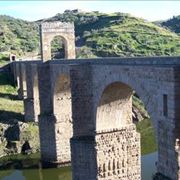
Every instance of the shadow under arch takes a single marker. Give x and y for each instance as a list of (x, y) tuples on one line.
[(59, 47), (115, 107)]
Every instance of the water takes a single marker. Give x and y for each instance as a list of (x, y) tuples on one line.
[(148, 169)]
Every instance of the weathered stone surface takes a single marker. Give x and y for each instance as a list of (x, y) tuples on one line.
[(113, 154)]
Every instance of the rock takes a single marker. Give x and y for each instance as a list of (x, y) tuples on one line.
[(138, 115), (11, 148), (12, 133)]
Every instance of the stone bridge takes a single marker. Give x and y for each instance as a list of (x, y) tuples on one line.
[(84, 109), (85, 113)]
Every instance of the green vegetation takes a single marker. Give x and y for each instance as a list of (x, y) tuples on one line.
[(4, 59), (145, 128), (14, 132), (121, 35), (173, 24), (10, 107), (148, 140), (17, 36), (57, 48), (20, 161), (97, 35)]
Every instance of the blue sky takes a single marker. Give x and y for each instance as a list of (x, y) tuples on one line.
[(34, 10)]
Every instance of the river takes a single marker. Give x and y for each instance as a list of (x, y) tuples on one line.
[(148, 169)]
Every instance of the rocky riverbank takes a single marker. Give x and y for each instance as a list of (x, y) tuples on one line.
[(18, 137)]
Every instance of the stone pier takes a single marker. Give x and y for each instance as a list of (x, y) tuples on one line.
[(55, 119), (22, 91), (31, 102)]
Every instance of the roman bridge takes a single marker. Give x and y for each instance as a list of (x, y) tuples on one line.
[(84, 109), (86, 115)]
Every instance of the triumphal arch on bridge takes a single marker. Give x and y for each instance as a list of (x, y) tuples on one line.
[(50, 30)]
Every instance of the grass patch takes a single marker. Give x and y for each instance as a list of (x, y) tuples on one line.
[(3, 63), (20, 161), (19, 157), (148, 139), (10, 106)]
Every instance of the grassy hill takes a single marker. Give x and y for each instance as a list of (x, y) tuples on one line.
[(119, 34), (97, 35)]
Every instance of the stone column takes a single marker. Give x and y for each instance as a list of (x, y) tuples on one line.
[(17, 75), (54, 141), (13, 72), (70, 52), (47, 140), (22, 91), (31, 103)]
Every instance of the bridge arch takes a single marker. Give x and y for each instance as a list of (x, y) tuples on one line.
[(120, 87)]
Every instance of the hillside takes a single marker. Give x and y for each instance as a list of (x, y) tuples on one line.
[(97, 35), (17, 36), (173, 24)]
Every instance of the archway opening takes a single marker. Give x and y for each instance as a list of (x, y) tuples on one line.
[(58, 48), (63, 114), (118, 108)]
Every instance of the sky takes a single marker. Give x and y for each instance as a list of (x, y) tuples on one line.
[(35, 10)]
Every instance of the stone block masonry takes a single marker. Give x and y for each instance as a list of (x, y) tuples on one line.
[(109, 155)]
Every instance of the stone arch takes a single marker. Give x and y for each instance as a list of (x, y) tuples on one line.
[(49, 30), (148, 94), (114, 115)]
